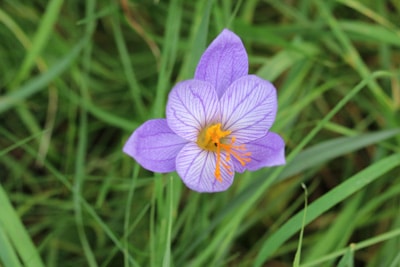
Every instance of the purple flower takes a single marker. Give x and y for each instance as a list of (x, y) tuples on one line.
[(217, 123)]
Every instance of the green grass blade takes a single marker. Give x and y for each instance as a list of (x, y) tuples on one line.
[(331, 149), (83, 133), (199, 33), (40, 40), (363, 9), (128, 213), (348, 259), (8, 255), (19, 143), (37, 84), (352, 56), (396, 261), (100, 113), (130, 75), (168, 57), (243, 201), (371, 33), (344, 223), (356, 246), (297, 257), (17, 234), (170, 204), (335, 196)]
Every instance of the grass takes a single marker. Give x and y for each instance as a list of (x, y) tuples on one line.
[(77, 77)]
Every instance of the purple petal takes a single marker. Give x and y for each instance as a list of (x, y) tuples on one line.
[(224, 61), (248, 108), (267, 151), (155, 146), (191, 106), (196, 167)]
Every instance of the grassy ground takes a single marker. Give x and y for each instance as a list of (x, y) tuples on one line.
[(77, 77)]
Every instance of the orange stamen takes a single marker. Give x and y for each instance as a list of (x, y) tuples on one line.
[(214, 139)]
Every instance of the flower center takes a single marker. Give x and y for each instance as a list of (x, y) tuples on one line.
[(214, 139)]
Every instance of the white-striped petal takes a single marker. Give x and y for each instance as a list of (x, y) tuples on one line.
[(155, 146), (224, 61), (192, 105), (267, 151), (196, 167), (248, 108)]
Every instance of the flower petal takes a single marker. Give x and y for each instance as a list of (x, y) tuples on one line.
[(192, 105), (267, 151), (196, 167), (248, 108), (155, 146), (224, 61)]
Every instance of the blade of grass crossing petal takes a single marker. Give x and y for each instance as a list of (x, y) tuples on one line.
[(8, 255), (297, 257), (17, 233), (324, 203), (348, 259)]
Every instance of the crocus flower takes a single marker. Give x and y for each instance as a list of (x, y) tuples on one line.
[(216, 124)]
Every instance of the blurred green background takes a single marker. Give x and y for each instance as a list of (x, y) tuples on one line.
[(77, 77)]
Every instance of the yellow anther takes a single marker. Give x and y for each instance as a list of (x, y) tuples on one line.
[(214, 139)]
